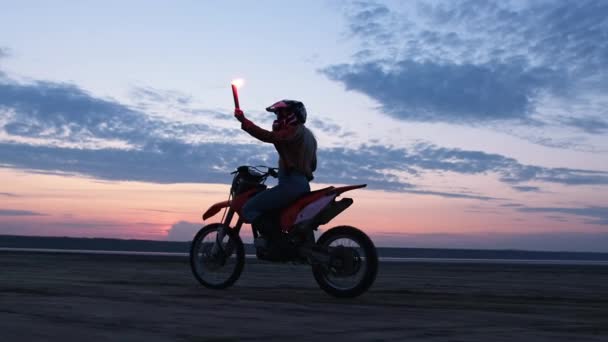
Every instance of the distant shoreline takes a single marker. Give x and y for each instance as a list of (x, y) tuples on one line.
[(562, 262), (120, 245)]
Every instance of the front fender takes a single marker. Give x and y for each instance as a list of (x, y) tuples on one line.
[(214, 209)]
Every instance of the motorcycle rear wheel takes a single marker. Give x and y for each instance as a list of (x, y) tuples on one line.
[(219, 268), (353, 266)]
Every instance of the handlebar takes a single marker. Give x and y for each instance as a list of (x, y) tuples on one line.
[(270, 171), (273, 172)]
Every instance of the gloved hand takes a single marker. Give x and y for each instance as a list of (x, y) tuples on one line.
[(239, 115)]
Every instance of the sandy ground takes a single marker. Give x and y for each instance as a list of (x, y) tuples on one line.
[(61, 297)]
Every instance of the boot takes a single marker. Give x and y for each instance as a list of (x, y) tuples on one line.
[(258, 224)]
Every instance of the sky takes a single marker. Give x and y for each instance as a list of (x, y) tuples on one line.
[(475, 124)]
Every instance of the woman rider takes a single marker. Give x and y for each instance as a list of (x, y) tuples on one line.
[(297, 149)]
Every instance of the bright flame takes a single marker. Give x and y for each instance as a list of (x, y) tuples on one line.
[(239, 82)]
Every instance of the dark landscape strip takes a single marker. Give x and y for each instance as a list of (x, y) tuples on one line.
[(98, 244)]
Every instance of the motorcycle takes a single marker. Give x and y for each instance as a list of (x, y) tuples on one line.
[(344, 260)]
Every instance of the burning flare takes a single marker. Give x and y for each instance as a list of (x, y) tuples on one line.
[(235, 84), (239, 82)]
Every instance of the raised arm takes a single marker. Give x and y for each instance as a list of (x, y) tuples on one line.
[(286, 134)]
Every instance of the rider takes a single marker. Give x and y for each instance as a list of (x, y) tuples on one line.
[(297, 148)]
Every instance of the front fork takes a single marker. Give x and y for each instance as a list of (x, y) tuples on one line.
[(221, 234)]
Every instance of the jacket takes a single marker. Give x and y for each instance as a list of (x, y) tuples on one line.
[(296, 145)]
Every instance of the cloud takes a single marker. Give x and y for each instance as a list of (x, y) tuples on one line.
[(162, 151), (525, 188), (376, 165), (439, 92), (510, 171), (52, 110), (537, 135), (563, 35), (14, 212), (371, 161), (450, 195), (8, 194), (370, 20), (4, 53), (481, 62), (149, 94), (154, 150), (595, 214), (183, 231), (591, 125), (160, 211), (325, 125), (66, 112), (159, 162), (174, 162), (557, 218), (511, 205), (58, 113)]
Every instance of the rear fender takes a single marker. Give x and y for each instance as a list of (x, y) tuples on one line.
[(332, 210), (320, 211), (214, 209), (313, 209), (340, 190)]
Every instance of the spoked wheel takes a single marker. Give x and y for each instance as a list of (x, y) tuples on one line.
[(217, 256), (353, 262)]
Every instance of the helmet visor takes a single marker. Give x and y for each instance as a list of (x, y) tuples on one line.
[(278, 106)]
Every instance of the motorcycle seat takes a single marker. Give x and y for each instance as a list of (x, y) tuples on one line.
[(310, 193)]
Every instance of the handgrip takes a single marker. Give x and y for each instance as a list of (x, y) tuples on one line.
[(273, 172)]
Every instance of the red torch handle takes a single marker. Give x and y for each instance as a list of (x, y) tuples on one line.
[(235, 95)]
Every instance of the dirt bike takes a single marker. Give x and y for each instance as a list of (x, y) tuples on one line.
[(344, 260)]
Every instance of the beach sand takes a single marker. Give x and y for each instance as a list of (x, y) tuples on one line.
[(79, 297)]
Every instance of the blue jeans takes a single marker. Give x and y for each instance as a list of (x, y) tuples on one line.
[(291, 186)]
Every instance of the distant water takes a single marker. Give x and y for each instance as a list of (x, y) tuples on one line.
[(382, 259)]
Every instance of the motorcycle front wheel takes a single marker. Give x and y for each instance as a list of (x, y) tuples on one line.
[(217, 256), (353, 262)]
